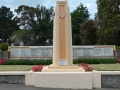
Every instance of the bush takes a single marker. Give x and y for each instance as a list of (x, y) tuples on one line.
[(96, 61), (0, 47), (48, 62), (4, 47), (118, 48), (29, 62)]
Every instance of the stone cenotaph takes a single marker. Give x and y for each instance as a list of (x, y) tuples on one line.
[(62, 41)]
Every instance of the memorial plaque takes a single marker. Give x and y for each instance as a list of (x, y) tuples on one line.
[(26, 52), (78, 51), (46, 52), (108, 51), (103, 52), (88, 52), (16, 52), (36, 52), (62, 62), (97, 51), (50, 52)]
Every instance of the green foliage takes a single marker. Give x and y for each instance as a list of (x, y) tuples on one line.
[(95, 61), (29, 62), (39, 20), (118, 47), (88, 31), (48, 62), (7, 23), (81, 13), (4, 47), (0, 46), (108, 22), (25, 36)]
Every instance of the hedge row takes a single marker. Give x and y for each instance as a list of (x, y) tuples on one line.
[(28, 62), (96, 61), (48, 62)]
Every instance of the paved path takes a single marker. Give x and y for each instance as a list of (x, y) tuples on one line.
[(23, 87)]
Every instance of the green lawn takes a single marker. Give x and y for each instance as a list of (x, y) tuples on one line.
[(98, 67), (106, 67), (15, 67)]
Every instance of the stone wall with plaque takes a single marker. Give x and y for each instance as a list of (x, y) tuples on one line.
[(47, 51), (34, 52)]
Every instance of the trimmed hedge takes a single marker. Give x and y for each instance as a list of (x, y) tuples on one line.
[(96, 61), (29, 62), (48, 62)]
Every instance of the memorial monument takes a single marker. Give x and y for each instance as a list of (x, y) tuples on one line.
[(62, 41)]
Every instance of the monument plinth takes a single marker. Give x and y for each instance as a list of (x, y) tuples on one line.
[(62, 40)]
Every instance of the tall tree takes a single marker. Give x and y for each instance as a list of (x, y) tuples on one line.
[(25, 16), (81, 13), (88, 32), (44, 25), (108, 18), (7, 24), (39, 20)]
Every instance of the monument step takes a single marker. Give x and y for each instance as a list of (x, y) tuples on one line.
[(63, 67), (63, 70)]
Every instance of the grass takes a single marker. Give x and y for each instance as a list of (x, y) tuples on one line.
[(106, 67), (98, 67), (15, 67)]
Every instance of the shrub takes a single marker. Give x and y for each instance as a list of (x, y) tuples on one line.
[(0, 47), (4, 47), (29, 62), (118, 47), (48, 62), (96, 61)]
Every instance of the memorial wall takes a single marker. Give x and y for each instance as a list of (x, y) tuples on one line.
[(47, 51)]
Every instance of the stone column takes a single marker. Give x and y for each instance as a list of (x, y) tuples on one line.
[(62, 40)]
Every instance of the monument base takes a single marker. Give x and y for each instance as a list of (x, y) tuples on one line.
[(52, 68), (63, 80)]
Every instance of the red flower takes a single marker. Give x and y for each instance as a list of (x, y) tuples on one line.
[(86, 67), (118, 60), (2, 61), (37, 68)]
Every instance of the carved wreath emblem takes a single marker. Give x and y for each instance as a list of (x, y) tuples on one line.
[(62, 14)]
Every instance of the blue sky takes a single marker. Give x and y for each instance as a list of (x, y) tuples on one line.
[(13, 4)]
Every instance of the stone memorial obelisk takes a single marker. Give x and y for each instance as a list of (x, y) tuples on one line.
[(62, 41)]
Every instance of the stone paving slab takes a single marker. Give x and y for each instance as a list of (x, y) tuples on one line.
[(23, 87)]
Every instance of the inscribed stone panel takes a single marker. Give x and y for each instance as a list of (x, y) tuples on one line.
[(15, 52)]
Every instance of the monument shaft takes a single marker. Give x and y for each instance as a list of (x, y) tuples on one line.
[(62, 36), (62, 41)]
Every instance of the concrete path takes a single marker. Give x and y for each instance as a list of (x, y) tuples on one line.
[(23, 87)]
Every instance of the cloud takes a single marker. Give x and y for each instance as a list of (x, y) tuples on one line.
[(88, 5), (13, 4)]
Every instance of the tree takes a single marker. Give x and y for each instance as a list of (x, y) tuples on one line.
[(25, 36), (39, 20), (25, 16), (88, 32), (108, 18), (43, 27), (7, 24), (81, 13)]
